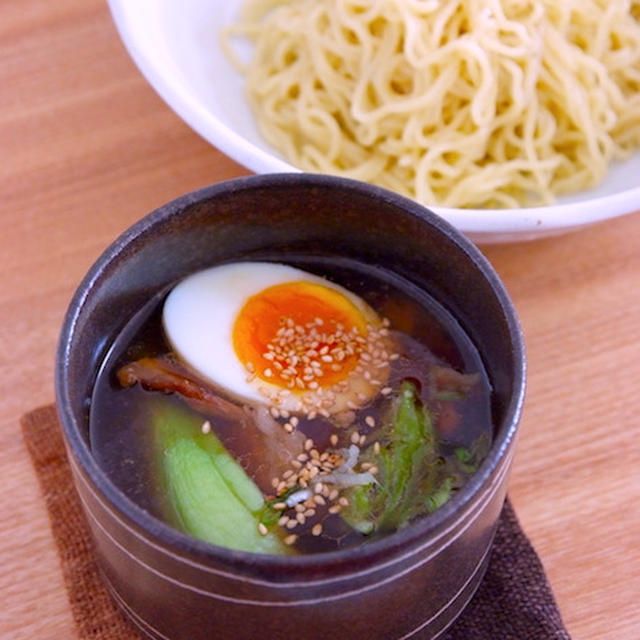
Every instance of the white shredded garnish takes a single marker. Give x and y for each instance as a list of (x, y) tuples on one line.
[(298, 496), (351, 458), (347, 479)]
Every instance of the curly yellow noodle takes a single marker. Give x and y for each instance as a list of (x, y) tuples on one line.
[(459, 103)]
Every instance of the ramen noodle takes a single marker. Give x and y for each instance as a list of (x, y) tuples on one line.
[(456, 103)]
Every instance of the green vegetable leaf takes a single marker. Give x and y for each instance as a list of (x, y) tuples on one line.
[(212, 497), (406, 456), (469, 460)]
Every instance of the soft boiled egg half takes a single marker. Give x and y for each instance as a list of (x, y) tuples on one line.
[(274, 334)]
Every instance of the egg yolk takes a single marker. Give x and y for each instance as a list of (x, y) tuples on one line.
[(299, 335)]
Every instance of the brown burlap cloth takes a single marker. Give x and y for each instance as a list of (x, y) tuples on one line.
[(514, 601)]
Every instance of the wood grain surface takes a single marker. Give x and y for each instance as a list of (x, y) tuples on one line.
[(88, 148)]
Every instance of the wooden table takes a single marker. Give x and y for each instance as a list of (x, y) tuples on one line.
[(88, 148)]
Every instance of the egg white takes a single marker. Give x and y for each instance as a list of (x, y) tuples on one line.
[(199, 315)]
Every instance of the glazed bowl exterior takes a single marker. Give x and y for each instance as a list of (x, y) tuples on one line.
[(409, 584)]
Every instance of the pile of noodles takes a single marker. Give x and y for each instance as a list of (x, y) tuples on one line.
[(458, 103)]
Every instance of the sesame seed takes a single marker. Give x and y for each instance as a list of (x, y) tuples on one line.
[(291, 523), (206, 427), (262, 529), (336, 508), (355, 437), (289, 540), (385, 391), (283, 521), (376, 447), (279, 506), (343, 501), (333, 439), (317, 529), (370, 421)]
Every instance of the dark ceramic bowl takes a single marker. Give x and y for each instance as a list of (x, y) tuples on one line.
[(411, 583)]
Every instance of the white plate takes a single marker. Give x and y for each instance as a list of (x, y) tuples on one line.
[(176, 45)]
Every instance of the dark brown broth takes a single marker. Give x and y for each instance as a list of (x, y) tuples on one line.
[(427, 334)]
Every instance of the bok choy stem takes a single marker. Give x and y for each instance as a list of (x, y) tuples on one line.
[(212, 497)]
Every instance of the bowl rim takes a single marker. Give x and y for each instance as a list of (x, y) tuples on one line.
[(456, 508), (485, 224)]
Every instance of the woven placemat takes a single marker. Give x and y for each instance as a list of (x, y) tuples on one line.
[(514, 601)]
